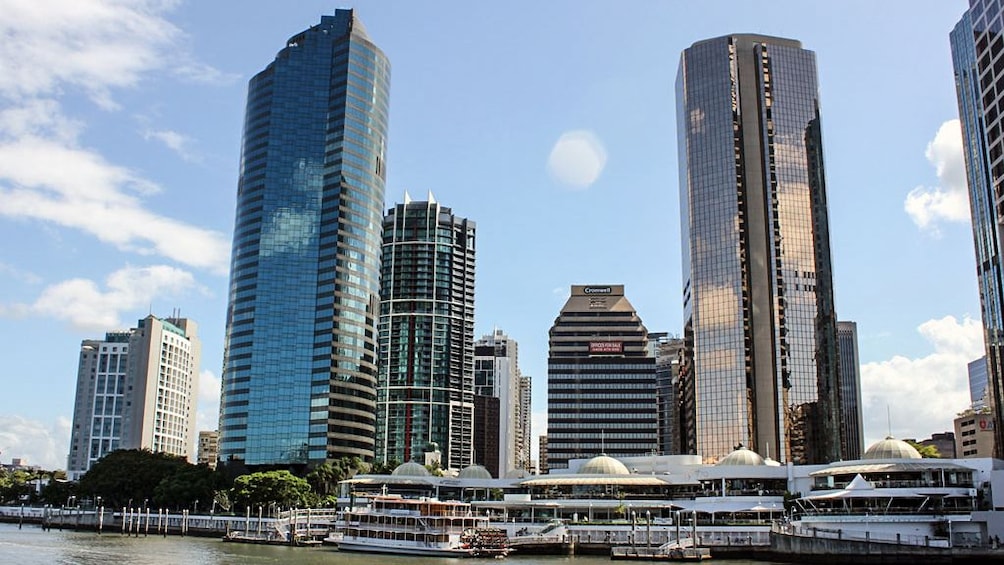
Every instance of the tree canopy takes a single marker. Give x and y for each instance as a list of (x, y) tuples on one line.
[(279, 487), (129, 477)]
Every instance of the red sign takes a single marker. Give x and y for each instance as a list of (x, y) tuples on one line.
[(606, 347)]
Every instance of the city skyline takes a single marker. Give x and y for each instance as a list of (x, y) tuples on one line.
[(578, 144)]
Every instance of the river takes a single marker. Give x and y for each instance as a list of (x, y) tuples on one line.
[(33, 546)]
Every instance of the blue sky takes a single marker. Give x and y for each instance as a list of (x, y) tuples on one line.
[(551, 124)]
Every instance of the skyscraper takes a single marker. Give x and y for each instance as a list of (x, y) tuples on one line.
[(852, 420), (978, 383), (666, 350), (496, 375), (299, 370), (136, 389), (426, 332), (760, 327), (977, 43), (601, 396)]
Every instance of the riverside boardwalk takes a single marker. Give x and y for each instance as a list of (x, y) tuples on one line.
[(296, 527)]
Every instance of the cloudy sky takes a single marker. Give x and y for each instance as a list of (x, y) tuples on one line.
[(552, 125)]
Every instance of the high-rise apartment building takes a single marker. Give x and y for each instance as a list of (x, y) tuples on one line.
[(601, 395), (977, 47), (136, 389), (299, 371), (209, 448), (496, 375), (426, 333), (760, 326), (524, 424), (851, 419)]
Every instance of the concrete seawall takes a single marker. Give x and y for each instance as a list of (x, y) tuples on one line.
[(806, 549)]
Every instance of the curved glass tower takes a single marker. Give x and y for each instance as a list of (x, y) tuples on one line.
[(299, 369)]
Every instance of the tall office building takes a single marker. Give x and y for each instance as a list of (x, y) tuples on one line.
[(666, 350), (978, 383), (299, 369), (496, 375), (524, 424), (136, 389), (760, 327), (977, 46), (426, 332), (600, 379), (852, 420)]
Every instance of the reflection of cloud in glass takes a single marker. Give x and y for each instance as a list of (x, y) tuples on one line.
[(577, 159), (289, 230), (696, 120)]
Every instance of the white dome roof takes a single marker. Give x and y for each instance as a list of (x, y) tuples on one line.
[(891, 448), (474, 472), (742, 456), (603, 465), (411, 469)]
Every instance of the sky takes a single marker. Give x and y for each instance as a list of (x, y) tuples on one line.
[(552, 125)]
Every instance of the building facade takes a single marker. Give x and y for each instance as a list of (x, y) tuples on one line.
[(978, 383), (974, 434), (851, 419), (209, 448), (136, 389), (666, 349), (760, 324), (299, 371), (496, 375), (426, 333), (977, 46), (601, 396), (524, 425)]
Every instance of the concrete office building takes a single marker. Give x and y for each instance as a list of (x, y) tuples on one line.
[(974, 434), (977, 50), (760, 325), (496, 375), (601, 396), (136, 389), (851, 419), (426, 335), (299, 370)]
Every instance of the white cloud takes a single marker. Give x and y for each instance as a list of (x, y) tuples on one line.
[(921, 396), (577, 159), (177, 142), (86, 306), (19, 274), (38, 443), (949, 201)]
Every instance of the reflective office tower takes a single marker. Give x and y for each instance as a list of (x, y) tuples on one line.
[(426, 390), (136, 389), (299, 370), (601, 395), (977, 46), (666, 349), (760, 328), (852, 421), (496, 375), (978, 383)]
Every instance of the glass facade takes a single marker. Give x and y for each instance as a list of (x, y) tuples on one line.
[(852, 421), (426, 392), (601, 387), (299, 371), (760, 330), (978, 58)]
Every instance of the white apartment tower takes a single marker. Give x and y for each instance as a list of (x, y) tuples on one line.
[(496, 374), (136, 389)]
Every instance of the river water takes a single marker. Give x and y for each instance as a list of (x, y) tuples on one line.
[(33, 546)]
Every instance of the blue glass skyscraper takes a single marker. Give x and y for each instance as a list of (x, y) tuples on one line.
[(299, 371), (977, 44)]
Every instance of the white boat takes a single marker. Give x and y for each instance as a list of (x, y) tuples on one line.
[(424, 526)]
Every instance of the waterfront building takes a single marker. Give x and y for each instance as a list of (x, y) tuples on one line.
[(851, 419), (974, 433), (760, 356), (136, 389), (978, 383), (979, 83), (601, 395), (666, 349), (209, 448), (496, 375), (426, 334), (299, 370)]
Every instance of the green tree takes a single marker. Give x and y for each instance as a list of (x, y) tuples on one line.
[(378, 468), (129, 476), (926, 451), (325, 477), (192, 485), (279, 487)]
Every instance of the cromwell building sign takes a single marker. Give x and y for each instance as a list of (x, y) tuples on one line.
[(606, 347)]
